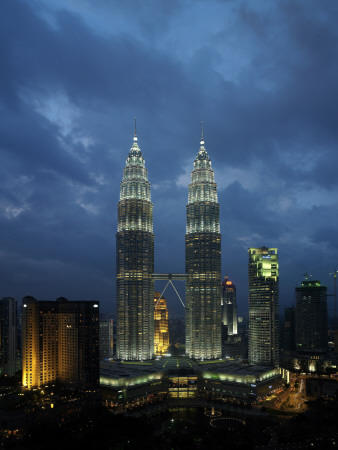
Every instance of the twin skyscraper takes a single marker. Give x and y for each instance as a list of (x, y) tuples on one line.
[(135, 262)]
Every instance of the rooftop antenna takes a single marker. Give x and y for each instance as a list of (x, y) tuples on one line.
[(202, 138), (135, 135)]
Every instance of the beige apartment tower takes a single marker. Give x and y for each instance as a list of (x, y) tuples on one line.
[(60, 342)]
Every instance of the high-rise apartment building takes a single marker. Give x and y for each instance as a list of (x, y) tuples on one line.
[(161, 325), (8, 336), (135, 262), (203, 262), (311, 318), (60, 342), (229, 306), (263, 306)]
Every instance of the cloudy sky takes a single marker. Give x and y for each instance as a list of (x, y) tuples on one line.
[(262, 75)]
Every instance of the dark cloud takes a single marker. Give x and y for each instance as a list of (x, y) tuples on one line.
[(261, 76), (250, 210), (326, 237)]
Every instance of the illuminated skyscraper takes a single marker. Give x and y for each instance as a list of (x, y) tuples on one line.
[(203, 262), (311, 318), (161, 330), (263, 306), (135, 262), (229, 306), (60, 342)]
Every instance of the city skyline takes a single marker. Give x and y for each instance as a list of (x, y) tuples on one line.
[(262, 77)]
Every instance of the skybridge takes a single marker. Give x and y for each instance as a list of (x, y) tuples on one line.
[(170, 277)]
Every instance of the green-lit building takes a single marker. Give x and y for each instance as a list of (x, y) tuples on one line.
[(135, 262), (263, 306), (203, 262), (311, 318)]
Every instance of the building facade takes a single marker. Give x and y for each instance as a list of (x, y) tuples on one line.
[(203, 262), (135, 262), (229, 307), (289, 338), (8, 336), (263, 306), (106, 337), (161, 325), (60, 342), (311, 318)]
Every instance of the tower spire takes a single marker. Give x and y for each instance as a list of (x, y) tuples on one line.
[(202, 154), (135, 135)]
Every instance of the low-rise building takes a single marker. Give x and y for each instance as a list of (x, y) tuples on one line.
[(132, 384)]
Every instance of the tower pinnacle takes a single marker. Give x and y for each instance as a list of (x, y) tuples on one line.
[(135, 135), (202, 138)]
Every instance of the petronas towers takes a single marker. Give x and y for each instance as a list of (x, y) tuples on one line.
[(135, 262), (203, 263)]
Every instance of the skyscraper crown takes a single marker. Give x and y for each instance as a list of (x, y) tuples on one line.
[(135, 182), (202, 154), (135, 155), (202, 186), (203, 189), (202, 160)]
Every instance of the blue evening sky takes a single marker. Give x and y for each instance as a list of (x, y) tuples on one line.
[(262, 75)]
